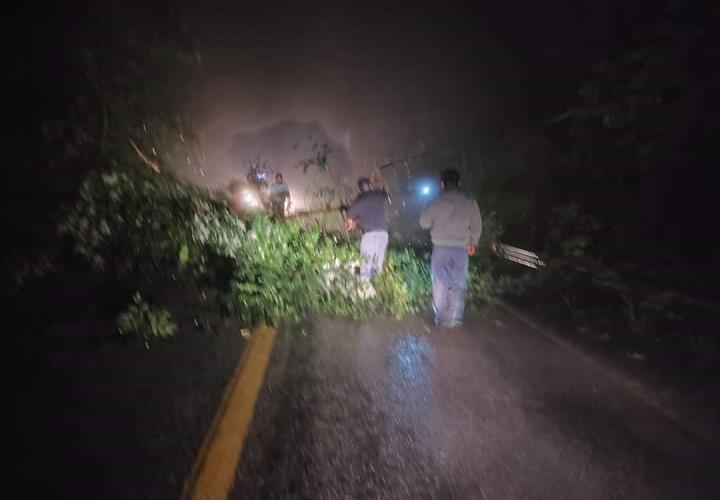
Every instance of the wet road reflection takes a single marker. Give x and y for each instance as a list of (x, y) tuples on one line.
[(388, 409)]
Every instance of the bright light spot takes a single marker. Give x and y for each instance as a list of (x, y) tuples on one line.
[(250, 199), (425, 190)]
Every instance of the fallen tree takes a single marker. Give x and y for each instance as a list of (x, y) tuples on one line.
[(137, 223)]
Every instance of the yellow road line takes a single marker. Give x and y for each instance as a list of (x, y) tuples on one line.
[(213, 472)]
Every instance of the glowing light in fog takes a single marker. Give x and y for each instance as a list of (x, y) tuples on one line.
[(425, 190), (250, 199)]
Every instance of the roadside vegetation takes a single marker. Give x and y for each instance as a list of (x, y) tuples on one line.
[(151, 228)]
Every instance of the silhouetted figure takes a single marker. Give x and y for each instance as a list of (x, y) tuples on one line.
[(279, 195), (369, 211), (455, 226)]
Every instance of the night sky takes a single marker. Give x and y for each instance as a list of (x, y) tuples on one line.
[(383, 80), (380, 80), (374, 80)]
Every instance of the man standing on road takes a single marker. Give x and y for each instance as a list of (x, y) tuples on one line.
[(279, 193), (455, 225), (369, 211)]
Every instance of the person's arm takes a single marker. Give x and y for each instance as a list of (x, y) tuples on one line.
[(287, 191), (475, 227), (351, 217), (427, 217)]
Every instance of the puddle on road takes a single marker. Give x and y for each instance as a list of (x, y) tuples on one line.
[(409, 358)]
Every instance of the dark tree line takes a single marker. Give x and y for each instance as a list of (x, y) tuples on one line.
[(633, 155), (93, 85)]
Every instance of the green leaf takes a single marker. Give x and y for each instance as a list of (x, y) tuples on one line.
[(183, 255)]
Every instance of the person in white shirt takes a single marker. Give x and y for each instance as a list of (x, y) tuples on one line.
[(279, 197)]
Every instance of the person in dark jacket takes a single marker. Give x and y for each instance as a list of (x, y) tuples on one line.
[(369, 212), (455, 226)]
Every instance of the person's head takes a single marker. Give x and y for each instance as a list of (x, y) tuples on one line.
[(450, 179), (363, 184), (278, 179)]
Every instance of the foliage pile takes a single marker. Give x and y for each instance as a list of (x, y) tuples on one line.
[(143, 320), (139, 223)]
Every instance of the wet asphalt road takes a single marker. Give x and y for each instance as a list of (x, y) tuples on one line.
[(387, 409)]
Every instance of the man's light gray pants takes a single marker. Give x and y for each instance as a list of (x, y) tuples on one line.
[(448, 270), (372, 248)]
